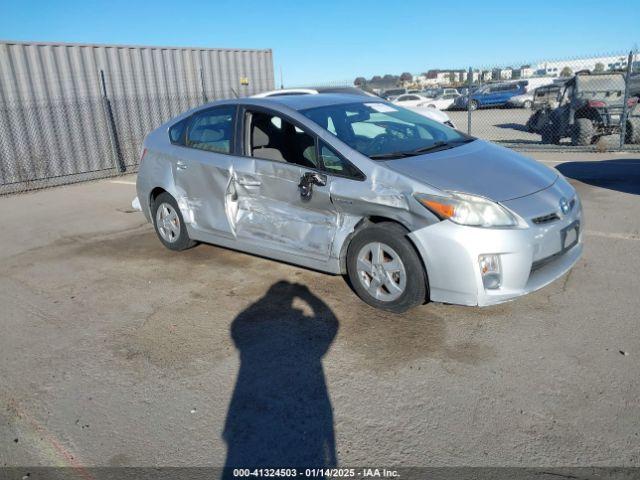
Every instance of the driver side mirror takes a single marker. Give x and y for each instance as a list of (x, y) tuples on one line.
[(315, 178), (308, 180)]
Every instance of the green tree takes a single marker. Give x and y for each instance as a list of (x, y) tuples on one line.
[(360, 82), (599, 68), (566, 72), (406, 77)]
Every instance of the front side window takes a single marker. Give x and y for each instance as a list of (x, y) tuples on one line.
[(383, 131), (335, 164), (212, 130), (274, 138)]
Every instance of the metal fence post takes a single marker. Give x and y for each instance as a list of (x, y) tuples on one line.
[(204, 93), (469, 83), (625, 106), (111, 126)]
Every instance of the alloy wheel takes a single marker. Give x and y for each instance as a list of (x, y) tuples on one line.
[(381, 271), (168, 222)]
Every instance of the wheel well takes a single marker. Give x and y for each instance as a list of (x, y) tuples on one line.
[(588, 113), (372, 220), (155, 193)]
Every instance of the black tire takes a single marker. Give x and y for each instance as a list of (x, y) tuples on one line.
[(632, 134), (532, 123), (181, 241), (582, 132), (527, 104), (394, 236), (549, 134), (473, 105)]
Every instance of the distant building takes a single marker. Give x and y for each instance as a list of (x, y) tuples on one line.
[(502, 73), (525, 71), (553, 68), (486, 75)]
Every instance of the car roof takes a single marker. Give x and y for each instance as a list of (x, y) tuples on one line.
[(302, 102)]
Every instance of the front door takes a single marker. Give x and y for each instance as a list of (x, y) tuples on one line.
[(270, 207)]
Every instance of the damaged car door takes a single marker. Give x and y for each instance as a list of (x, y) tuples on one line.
[(202, 168), (280, 196)]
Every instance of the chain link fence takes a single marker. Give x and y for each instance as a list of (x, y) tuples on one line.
[(567, 105), (585, 104), (73, 112), (48, 143)]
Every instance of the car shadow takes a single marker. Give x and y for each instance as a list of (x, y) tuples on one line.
[(513, 126), (622, 175), (280, 414)]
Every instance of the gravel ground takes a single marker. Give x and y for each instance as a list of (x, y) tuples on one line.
[(115, 351)]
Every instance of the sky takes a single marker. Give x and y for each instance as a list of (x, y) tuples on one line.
[(318, 42)]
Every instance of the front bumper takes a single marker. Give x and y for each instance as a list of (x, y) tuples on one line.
[(530, 258)]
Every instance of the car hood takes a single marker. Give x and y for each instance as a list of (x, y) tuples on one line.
[(478, 168)]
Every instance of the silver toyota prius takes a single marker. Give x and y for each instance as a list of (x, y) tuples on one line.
[(410, 209)]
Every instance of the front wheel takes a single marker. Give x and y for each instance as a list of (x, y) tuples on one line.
[(385, 270), (473, 105), (527, 104), (582, 133)]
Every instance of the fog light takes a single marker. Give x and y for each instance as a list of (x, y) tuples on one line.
[(490, 271)]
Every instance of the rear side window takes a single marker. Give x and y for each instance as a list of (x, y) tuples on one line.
[(176, 131), (212, 130)]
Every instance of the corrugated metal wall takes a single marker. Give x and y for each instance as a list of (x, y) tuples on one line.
[(57, 126)]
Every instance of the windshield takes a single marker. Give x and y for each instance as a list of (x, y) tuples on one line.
[(400, 91), (383, 131)]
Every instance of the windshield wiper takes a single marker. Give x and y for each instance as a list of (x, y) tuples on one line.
[(440, 145), (388, 156)]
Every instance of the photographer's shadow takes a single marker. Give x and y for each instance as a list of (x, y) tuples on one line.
[(280, 414)]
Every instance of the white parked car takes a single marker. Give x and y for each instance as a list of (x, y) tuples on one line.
[(411, 100), (443, 102), (433, 114), (282, 92), (521, 101)]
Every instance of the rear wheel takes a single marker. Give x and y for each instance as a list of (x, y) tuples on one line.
[(169, 223), (527, 104), (384, 268), (632, 135), (473, 105), (582, 132)]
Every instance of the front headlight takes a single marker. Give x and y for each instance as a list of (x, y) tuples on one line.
[(469, 210)]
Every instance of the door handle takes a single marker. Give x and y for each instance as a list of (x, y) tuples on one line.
[(181, 165)]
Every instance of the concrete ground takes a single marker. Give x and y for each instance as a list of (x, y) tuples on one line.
[(115, 351), (497, 124)]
